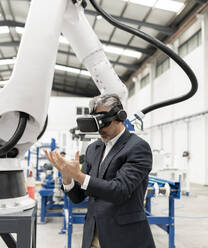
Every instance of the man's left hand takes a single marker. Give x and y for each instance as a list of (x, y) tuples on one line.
[(71, 168)]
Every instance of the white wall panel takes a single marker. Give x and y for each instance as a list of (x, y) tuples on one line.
[(197, 152)]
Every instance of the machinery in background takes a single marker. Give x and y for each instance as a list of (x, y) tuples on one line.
[(171, 190), (52, 197), (164, 168)]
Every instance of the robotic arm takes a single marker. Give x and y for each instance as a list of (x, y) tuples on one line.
[(90, 52), (29, 87)]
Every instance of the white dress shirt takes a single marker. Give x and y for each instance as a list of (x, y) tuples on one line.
[(108, 146)]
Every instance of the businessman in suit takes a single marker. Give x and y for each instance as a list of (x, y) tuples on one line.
[(114, 176)]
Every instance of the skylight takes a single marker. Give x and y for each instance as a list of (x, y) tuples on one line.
[(170, 5), (4, 30), (122, 51), (72, 70), (7, 61)]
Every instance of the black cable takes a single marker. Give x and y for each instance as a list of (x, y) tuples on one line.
[(44, 128), (158, 44), (7, 146)]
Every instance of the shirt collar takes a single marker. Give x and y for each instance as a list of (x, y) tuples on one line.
[(112, 141)]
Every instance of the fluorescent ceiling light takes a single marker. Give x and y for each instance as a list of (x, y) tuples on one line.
[(85, 73), (149, 3), (7, 61), (63, 40), (3, 83), (4, 30), (99, 17), (121, 51), (19, 30), (57, 67), (72, 70), (170, 5)]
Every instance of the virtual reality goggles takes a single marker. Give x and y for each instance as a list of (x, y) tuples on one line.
[(95, 121)]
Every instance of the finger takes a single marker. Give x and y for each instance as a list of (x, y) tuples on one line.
[(59, 158), (76, 156), (47, 154), (50, 154), (56, 161)]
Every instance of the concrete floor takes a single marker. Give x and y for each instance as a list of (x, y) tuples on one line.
[(191, 224)]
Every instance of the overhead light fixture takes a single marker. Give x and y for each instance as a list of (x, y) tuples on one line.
[(3, 83), (19, 30), (7, 61), (99, 17), (57, 67), (72, 70), (149, 3), (4, 30), (134, 79), (122, 51), (63, 40), (85, 73), (170, 5)]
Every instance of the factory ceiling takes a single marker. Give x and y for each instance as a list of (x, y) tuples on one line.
[(126, 52)]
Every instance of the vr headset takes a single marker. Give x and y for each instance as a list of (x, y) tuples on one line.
[(95, 121)]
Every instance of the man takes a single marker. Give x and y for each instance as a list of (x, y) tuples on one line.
[(115, 177)]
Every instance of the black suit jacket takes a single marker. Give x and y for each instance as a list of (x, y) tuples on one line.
[(116, 196)]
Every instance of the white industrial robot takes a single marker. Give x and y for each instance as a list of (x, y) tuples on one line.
[(24, 101)]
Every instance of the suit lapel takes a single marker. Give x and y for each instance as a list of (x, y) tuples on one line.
[(115, 149), (97, 159)]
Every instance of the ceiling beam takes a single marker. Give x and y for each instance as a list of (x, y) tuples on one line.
[(130, 67), (5, 70), (160, 28), (70, 92), (68, 89), (148, 51), (9, 43), (73, 79), (11, 23), (201, 1)]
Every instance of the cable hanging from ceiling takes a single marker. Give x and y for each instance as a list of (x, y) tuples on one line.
[(158, 44)]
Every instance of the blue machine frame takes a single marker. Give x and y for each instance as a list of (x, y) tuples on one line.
[(47, 189), (167, 223)]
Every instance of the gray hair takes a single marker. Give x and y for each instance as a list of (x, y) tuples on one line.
[(107, 100)]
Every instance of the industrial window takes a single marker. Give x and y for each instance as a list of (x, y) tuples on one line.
[(131, 89), (86, 111), (79, 111), (82, 111), (189, 45), (144, 81), (162, 67)]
